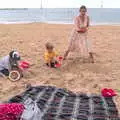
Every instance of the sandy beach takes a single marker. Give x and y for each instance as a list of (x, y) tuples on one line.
[(75, 75)]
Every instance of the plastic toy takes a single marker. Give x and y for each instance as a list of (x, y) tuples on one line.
[(17, 72), (60, 59)]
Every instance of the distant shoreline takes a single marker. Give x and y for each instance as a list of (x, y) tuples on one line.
[(61, 23), (57, 16), (13, 8)]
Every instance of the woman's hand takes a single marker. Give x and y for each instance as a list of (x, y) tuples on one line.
[(82, 30)]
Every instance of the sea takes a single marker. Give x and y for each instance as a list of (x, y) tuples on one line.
[(98, 16)]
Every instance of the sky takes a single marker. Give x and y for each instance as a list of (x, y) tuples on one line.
[(58, 3)]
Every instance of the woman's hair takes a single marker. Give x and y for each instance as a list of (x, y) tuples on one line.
[(83, 7), (49, 46)]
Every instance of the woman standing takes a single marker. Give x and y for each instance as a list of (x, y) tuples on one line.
[(78, 39)]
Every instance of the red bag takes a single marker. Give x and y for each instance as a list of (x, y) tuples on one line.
[(108, 92), (11, 111)]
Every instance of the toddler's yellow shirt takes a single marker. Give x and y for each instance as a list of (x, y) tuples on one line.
[(49, 56)]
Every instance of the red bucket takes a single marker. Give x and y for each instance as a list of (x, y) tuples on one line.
[(24, 65), (60, 58), (57, 65)]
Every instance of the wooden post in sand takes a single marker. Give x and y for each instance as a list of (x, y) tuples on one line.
[(41, 5), (102, 4), (41, 9)]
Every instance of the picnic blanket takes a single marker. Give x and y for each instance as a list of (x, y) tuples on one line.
[(61, 104)]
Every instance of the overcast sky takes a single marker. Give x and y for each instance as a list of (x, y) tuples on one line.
[(58, 3)]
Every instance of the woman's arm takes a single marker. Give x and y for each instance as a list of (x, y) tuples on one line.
[(88, 21), (76, 22)]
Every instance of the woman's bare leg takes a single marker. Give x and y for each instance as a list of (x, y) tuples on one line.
[(66, 54), (91, 57)]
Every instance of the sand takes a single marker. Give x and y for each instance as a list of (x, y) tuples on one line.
[(75, 75)]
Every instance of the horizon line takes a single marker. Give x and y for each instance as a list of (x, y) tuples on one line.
[(61, 8)]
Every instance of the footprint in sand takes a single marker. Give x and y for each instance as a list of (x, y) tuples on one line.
[(95, 85), (70, 76)]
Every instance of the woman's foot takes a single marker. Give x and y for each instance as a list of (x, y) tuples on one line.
[(64, 58), (91, 57), (91, 60), (65, 55)]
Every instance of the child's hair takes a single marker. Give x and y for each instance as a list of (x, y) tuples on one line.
[(49, 45), (14, 55), (83, 7)]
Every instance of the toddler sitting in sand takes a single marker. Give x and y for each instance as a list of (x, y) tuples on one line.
[(50, 56), (8, 62)]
